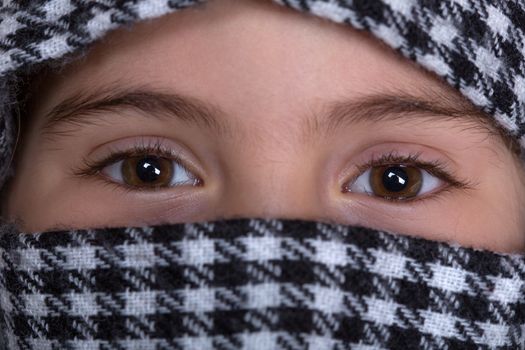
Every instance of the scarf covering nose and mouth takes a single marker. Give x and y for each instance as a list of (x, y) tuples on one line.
[(255, 284)]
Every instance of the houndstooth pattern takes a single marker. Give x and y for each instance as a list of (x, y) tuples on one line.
[(475, 45), (255, 284)]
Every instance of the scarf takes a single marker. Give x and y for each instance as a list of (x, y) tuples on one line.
[(265, 284), (255, 284)]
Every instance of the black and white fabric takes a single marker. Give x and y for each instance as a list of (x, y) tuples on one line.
[(256, 284), (475, 45)]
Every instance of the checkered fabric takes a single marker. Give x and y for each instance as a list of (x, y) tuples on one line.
[(256, 284), (475, 45)]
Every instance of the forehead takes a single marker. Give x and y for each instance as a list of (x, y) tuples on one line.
[(256, 60)]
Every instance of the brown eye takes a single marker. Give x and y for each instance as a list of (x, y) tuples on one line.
[(394, 182), (149, 172)]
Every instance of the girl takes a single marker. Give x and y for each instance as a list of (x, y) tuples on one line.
[(247, 109)]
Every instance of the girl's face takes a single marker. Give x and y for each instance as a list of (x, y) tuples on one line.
[(243, 108)]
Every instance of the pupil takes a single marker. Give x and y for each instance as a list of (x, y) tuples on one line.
[(148, 169), (395, 179)]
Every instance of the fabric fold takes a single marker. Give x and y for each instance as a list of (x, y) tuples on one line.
[(255, 284)]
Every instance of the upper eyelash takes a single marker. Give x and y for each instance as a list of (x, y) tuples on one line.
[(435, 167), (91, 168)]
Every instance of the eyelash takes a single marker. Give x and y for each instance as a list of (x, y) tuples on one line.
[(91, 168), (436, 168)]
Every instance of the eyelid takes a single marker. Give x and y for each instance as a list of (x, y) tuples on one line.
[(117, 150), (359, 159), (435, 167), (196, 181)]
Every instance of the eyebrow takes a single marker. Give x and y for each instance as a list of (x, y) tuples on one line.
[(82, 108), (85, 109)]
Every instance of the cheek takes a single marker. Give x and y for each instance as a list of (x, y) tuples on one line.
[(84, 203), (491, 218)]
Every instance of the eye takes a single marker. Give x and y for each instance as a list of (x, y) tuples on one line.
[(395, 182), (149, 171)]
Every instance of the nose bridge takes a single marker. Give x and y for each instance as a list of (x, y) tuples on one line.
[(276, 185)]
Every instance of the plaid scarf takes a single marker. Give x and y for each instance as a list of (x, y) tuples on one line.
[(255, 284)]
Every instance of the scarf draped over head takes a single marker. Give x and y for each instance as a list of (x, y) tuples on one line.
[(476, 46)]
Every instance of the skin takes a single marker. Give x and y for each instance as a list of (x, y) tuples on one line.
[(273, 74)]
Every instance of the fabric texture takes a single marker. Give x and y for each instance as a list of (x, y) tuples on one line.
[(256, 284), (476, 45)]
